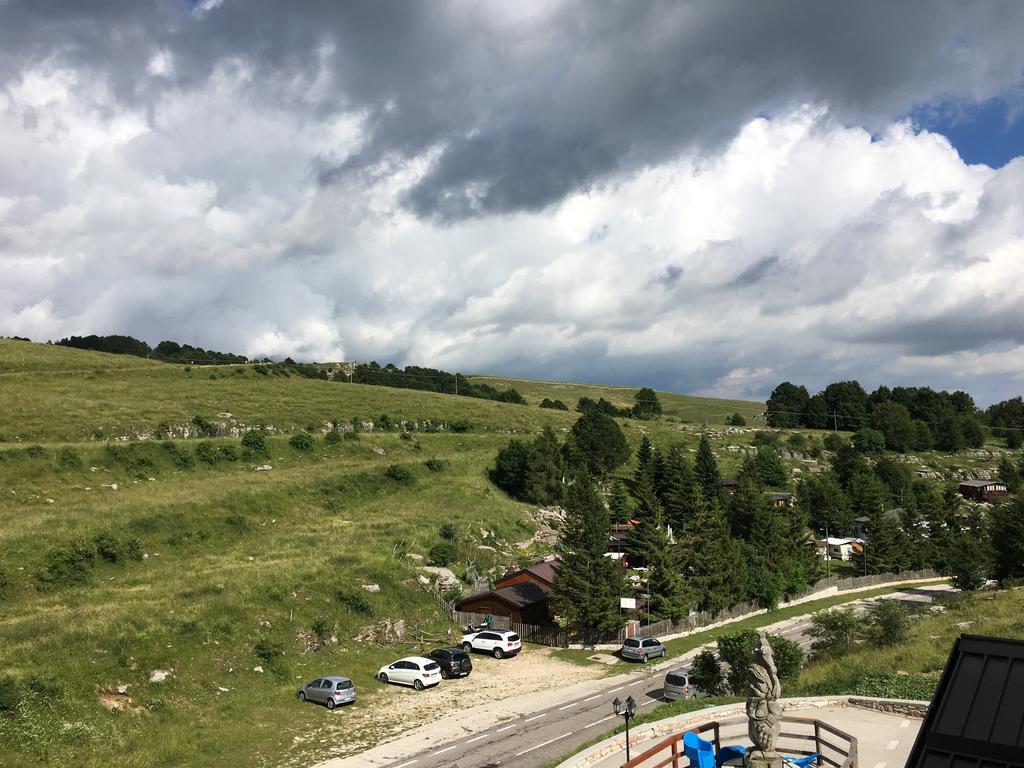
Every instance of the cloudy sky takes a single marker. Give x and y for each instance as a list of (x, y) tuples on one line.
[(707, 197)]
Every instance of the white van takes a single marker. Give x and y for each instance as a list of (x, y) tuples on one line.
[(677, 685)]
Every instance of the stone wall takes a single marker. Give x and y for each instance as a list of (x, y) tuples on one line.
[(916, 709)]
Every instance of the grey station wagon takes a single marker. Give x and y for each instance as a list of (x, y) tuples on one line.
[(641, 648), (331, 691)]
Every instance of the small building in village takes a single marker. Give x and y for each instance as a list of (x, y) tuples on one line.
[(780, 498), (729, 484), (520, 596), (982, 490)]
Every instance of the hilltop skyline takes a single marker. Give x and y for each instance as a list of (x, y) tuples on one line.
[(699, 197)]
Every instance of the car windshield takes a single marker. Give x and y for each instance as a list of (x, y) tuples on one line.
[(431, 667), (671, 679), (513, 638), (344, 685), (632, 643)]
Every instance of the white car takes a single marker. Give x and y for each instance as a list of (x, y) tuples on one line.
[(417, 671), (498, 642)]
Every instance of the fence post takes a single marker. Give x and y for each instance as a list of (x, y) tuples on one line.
[(675, 753)]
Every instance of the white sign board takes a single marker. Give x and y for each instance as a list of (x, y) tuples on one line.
[(627, 602)]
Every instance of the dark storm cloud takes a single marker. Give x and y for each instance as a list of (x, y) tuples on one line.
[(524, 110)]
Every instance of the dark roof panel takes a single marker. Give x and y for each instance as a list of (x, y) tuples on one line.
[(976, 719)]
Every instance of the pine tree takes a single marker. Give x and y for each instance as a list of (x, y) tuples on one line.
[(769, 550), (542, 482), (802, 565), (711, 557), (747, 501), (643, 486), (677, 496), (1008, 539), (705, 470), (649, 545), (618, 503), (884, 547), (587, 585)]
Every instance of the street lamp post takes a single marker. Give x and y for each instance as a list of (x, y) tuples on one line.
[(627, 713)]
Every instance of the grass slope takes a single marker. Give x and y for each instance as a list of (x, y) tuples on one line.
[(239, 565)]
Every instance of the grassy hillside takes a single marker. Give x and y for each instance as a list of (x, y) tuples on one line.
[(696, 410), (911, 669), (219, 568)]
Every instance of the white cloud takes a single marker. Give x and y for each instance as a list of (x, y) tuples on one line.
[(803, 249)]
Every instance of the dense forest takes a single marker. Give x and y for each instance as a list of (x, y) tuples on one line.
[(903, 418)]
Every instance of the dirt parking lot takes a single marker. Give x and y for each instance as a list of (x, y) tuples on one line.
[(389, 710)]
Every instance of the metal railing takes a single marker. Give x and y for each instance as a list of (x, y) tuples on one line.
[(837, 748)]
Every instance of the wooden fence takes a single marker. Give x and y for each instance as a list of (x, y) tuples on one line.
[(549, 634)]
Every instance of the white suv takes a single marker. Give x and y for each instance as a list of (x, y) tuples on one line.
[(499, 642)]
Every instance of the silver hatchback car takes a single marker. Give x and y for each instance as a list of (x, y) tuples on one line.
[(332, 691), (641, 648)]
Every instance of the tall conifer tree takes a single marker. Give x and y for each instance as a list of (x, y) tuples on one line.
[(711, 557), (705, 470), (587, 585)]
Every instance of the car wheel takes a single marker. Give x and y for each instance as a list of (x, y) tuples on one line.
[(645, 658), (382, 677), (331, 704), (417, 684), (498, 653), (467, 647), (302, 695), (445, 674)]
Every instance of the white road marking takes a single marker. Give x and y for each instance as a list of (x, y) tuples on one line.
[(892, 744), (614, 690), (535, 717), (649, 701), (543, 743), (593, 697), (405, 764), (505, 728), (446, 749), (598, 722), (568, 705), (904, 723), (477, 738)]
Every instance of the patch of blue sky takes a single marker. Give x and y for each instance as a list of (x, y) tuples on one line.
[(989, 132)]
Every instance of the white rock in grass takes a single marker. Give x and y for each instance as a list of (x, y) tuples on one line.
[(159, 675), (371, 587), (258, 669)]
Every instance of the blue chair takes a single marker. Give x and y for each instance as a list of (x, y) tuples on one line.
[(801, 762), (701, 753)]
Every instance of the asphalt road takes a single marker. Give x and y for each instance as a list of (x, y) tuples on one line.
[(534, 740)]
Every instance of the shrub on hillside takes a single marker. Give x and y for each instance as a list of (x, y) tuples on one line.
[(448, 532), (354, 601), (834, 632), (207, 452), (436, 465), (321, 627), (205, 428), (228, 452), (162, 431), (888, 623), (333, 437), (10, 694), (460, 426), (833, 441), (556, 405), (68, 565), (351, 437), (180, 457), (443, 553), (736, 650), (301, 442), (706, 674), (763, 437), (405, 436), (736, 420), (254, 444), (107, 547), (867, 440), (68, 458), (35, 451), (399, 474), (4, 583), (46, 685), (797, 441), (914, 687)]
